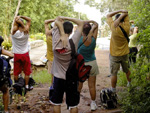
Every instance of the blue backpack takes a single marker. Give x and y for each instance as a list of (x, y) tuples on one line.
[(4, 71)]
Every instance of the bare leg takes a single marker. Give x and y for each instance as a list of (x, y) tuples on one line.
[(92, 87), (57, 109), (128, 76), (74, 110), (26, 80), (113, 81), (5, 99), (15, 78)]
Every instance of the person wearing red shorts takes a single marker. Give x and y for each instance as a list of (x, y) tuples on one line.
[(20, 36)]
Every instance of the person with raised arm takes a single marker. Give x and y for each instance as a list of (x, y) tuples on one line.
[(86, 48), (20, 36), (49, 55), (62, 58), (119, 49)]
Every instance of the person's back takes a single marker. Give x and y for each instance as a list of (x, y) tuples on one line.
[(20, 42), (62, 59), (20, 36), (119, 49), (88, 52), (86, 48), (118, 42)]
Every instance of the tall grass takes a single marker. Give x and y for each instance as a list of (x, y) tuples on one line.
[(42, 77)]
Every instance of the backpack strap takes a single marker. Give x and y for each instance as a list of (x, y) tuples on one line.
[(73, 51), (125, 34), (83, 42)]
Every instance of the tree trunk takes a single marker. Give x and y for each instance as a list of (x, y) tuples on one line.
[(16, 13)]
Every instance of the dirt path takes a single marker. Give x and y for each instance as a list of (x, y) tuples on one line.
[(37, 99)]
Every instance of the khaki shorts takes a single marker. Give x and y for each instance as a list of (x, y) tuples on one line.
[(115, 62), (94, 71), (49, 63)]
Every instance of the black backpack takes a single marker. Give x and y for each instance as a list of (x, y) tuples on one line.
[(108, 99), (4, 71), (77, 71), (19, 86)]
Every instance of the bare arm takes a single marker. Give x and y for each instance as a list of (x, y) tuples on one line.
[(94, 30), (80, 23), (63, 36), (117, 21), (48, 30), (16, 24), (28, 22), (5, 52)]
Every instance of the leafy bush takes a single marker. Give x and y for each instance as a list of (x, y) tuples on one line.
[(137, 99), (122, 80), (38, 36), (7, 45)]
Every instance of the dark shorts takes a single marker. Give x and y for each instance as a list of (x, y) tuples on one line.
[(22, 62), (72, 94), (116, 61)]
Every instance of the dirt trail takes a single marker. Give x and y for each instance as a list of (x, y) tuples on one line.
[(37, 99)]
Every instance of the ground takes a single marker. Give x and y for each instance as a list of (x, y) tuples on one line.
[(37, 99)]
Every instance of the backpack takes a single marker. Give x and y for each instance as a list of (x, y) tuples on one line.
[(77, 70), (19, 86), (4, 71), (108, 99)]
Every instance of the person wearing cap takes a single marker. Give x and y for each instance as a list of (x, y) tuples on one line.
[(20, 36), (48, 32), (4, 88)]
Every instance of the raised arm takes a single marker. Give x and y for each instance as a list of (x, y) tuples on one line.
[(28, 22), (94, 30), (63, 36), (16, 24), (48, 30), (80, 23), (117, 21)]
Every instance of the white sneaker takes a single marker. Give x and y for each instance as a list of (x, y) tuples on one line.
[(93, 106)]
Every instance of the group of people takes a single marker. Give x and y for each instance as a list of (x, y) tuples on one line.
[(58, 31)]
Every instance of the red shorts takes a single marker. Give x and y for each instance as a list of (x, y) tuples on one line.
[(22, 63)]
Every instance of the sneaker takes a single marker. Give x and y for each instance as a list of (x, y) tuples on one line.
[(29, 88), (93, 106)]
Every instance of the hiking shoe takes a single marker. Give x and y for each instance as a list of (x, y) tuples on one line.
[(93, 106)]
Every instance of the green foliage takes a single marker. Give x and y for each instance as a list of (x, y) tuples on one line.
[(37, 10), (109, 5), (138, 97), (42, 77), (139, 11), (38, 36), (7, 45), (122, 80)]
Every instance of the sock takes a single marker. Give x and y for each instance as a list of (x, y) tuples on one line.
[(92, 101), (27, 86)]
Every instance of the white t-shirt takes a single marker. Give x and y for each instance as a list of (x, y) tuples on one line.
[(20, 42)]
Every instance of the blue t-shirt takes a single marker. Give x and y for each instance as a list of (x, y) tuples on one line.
[(88, 52)]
